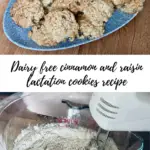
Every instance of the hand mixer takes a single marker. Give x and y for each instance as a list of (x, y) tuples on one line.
[(121, 112)]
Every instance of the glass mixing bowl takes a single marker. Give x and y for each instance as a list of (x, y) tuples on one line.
[(15, 116)]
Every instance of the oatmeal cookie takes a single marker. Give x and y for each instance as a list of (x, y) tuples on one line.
[(87, 29), (133, 6), (57, 27), (98, 11), (26, 13), (93, 18)]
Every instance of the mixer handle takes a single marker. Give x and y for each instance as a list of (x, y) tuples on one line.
[(75, 105)]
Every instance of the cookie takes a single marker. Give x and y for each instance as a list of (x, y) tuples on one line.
[(87, 29), (98, 12), (57, 27), (26, 13), (133, 6)]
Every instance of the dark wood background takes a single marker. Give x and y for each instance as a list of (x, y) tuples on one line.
[(132, 39)]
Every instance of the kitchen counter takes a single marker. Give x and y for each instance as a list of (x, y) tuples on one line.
[(132, 39)]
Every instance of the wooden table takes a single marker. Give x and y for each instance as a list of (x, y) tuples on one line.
[(132, 39)]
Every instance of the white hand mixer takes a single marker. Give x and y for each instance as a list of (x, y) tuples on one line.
[(121, 111)]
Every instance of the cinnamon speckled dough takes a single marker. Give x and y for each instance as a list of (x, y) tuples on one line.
[(57, 27), (133, 6), (26, 13)]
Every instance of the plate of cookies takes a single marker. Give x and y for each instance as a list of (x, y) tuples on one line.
[(48, 25)]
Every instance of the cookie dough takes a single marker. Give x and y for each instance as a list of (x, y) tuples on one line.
[(57, 27), (26, 13)]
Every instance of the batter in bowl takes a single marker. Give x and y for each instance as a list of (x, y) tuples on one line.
[(59, 137)]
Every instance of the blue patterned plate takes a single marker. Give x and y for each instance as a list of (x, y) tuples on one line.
[(19, 36)]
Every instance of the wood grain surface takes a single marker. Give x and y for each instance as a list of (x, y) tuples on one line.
[(132, 39)]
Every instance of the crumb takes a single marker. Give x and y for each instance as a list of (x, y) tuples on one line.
[(57, 27), (26, 13), (133, 6)]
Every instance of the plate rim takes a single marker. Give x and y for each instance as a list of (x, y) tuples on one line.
[(61, 48)]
